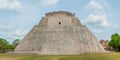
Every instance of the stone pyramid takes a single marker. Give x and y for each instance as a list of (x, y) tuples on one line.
[(59, 33)]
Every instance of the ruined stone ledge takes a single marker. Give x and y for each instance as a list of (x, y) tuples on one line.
[(37, 53), (59, 12), (21, 53)]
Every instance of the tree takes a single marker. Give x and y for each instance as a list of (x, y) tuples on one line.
[(5, 46), (16, 42), (115, 42), (2, 44), (4, 40)]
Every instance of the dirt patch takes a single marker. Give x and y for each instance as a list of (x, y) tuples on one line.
[(9, 58)]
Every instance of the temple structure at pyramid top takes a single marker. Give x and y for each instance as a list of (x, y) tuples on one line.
[(59, 33), (59, 18)]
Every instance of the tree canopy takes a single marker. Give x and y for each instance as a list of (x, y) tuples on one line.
[(5, 46), (16, 42), (115, 42)]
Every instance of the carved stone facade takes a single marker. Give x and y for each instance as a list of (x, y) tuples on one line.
[(59, 33), (105, 44)]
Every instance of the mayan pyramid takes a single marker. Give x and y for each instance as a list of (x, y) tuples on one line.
[(59, 33)]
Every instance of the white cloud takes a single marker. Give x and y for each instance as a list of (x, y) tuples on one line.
[(97, 30), (10, 5), (19, 33), (94, 5), (49, 2), (6, 27), (97, 20), (44, 2), (11, 31)]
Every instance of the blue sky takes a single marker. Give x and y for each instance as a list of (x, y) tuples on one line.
[(17, 17)]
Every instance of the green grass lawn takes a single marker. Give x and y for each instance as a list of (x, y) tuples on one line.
[(87, 56)]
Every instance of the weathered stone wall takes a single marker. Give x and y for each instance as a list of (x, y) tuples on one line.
[(51, 38)]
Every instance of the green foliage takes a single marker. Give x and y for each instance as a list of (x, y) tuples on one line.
[(115, 42), (2, 44), (16, 42), (4, 41), (5, 46)]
